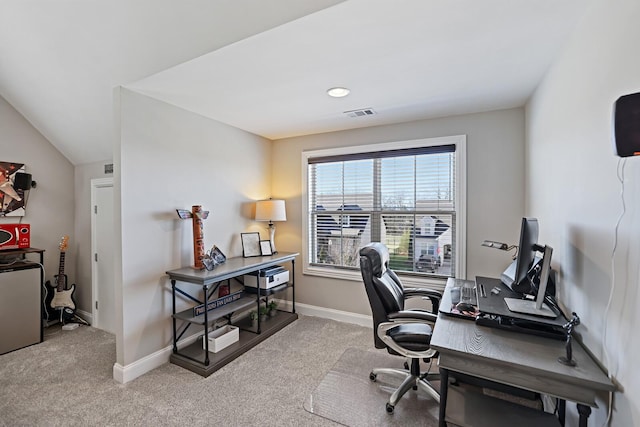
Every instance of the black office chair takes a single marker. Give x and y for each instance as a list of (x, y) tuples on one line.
[(403, 332)]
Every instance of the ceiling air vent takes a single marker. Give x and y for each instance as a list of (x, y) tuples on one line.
[(361, 112)]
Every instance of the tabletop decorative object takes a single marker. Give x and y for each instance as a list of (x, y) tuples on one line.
[(213, 257), (197, 215)]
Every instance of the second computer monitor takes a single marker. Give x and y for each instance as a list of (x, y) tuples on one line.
[(516, 275)]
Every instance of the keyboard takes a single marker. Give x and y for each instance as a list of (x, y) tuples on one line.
[(468, 295), (464, 292)]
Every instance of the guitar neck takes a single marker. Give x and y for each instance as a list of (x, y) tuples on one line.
[(61, 276)]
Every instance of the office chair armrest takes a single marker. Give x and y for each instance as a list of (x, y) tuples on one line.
[(434, 296), (422, 292), (409, 316)]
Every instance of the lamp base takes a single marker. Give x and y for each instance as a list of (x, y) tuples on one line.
[(272, 234)]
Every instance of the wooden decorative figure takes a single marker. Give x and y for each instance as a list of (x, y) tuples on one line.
[(196, 215)]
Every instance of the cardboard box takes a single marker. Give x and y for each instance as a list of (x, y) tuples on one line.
[(222, 338)]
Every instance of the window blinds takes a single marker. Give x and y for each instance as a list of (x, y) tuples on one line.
[(404, 198)]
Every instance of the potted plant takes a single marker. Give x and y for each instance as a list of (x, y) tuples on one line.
[(272, 308), (264, 312), (253, 316)]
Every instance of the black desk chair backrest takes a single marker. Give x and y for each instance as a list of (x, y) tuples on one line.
[(383, 287)]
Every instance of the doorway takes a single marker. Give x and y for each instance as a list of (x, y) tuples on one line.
[(102, 267)]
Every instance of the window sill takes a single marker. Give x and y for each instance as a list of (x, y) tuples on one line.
[(410, 281)]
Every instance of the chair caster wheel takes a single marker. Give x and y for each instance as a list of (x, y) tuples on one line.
[(390, 408), (373, 377)]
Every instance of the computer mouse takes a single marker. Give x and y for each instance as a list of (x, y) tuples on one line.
[(464, 306)]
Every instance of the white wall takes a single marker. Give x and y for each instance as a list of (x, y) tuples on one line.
[(573, 189), (169, 158), (50, 207), (495, 192), (83, 176)]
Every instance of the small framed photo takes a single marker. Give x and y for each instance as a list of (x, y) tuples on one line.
[(217, 255), (250, 244), (213, 257), (265, 247)]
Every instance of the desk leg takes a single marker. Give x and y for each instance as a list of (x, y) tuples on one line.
[(444, 388), (562, 411), (293, 285), (584, 412), (258, 293), (173, 303), (205, 290)]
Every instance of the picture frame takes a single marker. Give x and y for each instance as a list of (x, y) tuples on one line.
[(265, 247), (217, 255), (12, 196), (213, 258), (250, 244)]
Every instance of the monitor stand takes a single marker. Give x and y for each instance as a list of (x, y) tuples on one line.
[(524, 306), (537, 307)]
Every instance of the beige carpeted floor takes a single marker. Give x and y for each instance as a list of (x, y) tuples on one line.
[(67, 380)]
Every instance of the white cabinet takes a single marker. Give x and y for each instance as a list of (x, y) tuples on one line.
[(20, 307)]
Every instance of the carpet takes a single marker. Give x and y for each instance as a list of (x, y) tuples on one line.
[(68, 381), (347, 396)]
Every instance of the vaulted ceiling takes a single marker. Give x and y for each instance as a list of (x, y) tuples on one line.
[(265, 65)]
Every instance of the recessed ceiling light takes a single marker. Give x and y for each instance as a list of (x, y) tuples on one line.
[(338, 92)]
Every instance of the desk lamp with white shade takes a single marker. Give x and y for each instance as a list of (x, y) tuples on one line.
[(271, 210)]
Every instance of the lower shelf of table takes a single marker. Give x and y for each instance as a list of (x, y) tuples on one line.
[(467, 408), (247, 341)]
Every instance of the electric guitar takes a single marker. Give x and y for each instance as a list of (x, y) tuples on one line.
[(61, 297)]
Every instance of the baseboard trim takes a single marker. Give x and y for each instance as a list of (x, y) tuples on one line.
[(330, 313), (124, 374)]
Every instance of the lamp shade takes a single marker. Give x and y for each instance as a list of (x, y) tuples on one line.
[(270, 210)]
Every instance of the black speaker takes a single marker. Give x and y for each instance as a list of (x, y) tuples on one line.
[(22, 181), (626, 125)]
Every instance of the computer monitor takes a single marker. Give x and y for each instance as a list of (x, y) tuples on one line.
[(516, 275), (536, 307)]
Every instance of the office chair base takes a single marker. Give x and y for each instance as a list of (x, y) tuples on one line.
[(410, 381), (396, 373)]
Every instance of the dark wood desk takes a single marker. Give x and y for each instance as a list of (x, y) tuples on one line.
[(524, 361)]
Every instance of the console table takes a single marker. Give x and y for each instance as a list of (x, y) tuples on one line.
[(198, 359), (525, 361)]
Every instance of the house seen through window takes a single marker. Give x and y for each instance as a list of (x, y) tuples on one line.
[(402, 197)]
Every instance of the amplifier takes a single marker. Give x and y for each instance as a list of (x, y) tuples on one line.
[(15, 236), (269, 277)]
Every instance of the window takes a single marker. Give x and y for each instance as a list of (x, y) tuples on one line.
[(408, 195)]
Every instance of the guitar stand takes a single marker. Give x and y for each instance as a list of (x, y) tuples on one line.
[(67, 314), (81, 320)]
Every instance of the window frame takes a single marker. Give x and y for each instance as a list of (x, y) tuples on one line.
[(460, 141)]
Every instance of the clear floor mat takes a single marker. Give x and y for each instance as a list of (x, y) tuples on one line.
[(347, 396)]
